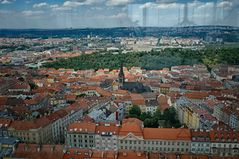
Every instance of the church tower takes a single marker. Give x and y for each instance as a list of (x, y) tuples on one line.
[(121, 76)]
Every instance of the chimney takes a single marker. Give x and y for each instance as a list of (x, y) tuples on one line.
[(116, 155), (53, 148), (139, 154), (38, 148), (124, 153), (26, 147), (90, 153)]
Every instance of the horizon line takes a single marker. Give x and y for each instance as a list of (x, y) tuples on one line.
[(72, 28)]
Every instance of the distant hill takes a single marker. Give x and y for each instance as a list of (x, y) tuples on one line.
[(229, 34)]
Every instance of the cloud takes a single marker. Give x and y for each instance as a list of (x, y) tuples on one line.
[(41, 5), (118, 2), (30, 13), (119, 15), (160, 5), (70, 4), (166, 1), (205, 6), (6, 1), (225, 4), (148, 5)]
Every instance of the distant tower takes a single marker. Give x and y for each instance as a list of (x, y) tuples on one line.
[(186, 21), (158, 17), (214, 14), (121, 76), (145, 16), (179, 15)]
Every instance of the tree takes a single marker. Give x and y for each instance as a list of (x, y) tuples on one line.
[(151, 123), (170, 117), (157, 115), (33, 85), (145, 115), (134, 111)]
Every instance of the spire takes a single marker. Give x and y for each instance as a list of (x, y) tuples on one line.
[(121, 75)]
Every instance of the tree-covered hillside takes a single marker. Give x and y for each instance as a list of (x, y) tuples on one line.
[(152, 60)]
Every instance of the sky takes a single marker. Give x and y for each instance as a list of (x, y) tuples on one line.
[(55, 14)]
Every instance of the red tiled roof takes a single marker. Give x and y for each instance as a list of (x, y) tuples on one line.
[(107, 127), (5, 122), (32, 151), (167, 133), (196, 95), (137, 99), (224, 136), (82, 126), (26, 125), (131, 155), (131, 125), (3, 100)]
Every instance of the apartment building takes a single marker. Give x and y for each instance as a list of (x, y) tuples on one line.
[(132, 136), (47, 129), (37, 131), (167, 140), (200, 142), (224, 142), (106, 136), (129, 136), (81, 134)]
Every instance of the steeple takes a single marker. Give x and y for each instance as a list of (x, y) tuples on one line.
[(121, 75)]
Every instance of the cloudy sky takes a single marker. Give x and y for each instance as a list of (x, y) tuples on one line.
[(115, 13)]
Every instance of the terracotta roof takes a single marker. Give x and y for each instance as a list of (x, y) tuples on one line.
[(97, 154), (162, 155), (107, 127), (83, 103), (196, 95), (224, 136), (167, 133), (82, 127), (3, 100), (137, 99), (131, 155), (32, 151), (57, 115), (77, 153), (131, 125), (187, 156), (121, 92), (5, 122), (70, 97), (165, 85), (26, 125)]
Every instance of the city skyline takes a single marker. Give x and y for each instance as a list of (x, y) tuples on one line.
[(51, 14)]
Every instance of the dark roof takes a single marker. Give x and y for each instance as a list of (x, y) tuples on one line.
[(15, 102), (135, 87), (8, 140), (106, 83), (151, 103)]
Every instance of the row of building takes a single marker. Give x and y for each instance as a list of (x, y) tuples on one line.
[(43, 130), (131, 135)]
